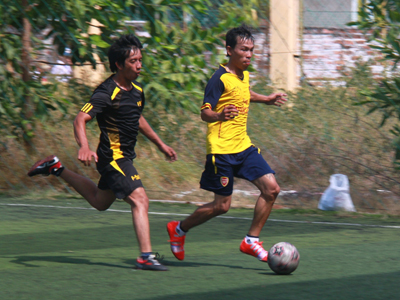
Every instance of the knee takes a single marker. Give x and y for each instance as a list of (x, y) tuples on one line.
[(221, 208), (139, 202), (271, 193), (102, 207), (277, 191), (101, 204), (102, 200)]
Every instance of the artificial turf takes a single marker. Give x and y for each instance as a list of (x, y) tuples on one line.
[(63, 252)]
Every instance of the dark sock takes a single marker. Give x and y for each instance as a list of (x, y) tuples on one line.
[(145, 255), (58, 171)]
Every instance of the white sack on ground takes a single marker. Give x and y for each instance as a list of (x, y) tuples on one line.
[(337, 195)]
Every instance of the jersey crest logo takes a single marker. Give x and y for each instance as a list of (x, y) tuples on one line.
[(224, 181), (139, 103)]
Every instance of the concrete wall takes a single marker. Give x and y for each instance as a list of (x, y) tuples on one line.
[(325, 55), (326, 47)]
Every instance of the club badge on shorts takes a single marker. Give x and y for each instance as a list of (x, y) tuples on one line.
[(224, 181)]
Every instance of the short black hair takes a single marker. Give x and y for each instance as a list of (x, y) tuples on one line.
[(119, 51), (244, 32)]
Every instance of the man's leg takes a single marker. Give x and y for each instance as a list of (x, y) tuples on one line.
[(139, 203), (99, 199), (51, 165), (269, 189), (177, 230), (219, 206), (102, 200)]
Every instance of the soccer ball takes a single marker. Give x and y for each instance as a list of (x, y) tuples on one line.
[(283, 258)]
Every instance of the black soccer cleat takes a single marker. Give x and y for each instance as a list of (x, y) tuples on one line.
[(151, 263), (47, 166)]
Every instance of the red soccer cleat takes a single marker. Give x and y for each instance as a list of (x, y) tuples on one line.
[(176, 241), (256, 249), (47, 166)]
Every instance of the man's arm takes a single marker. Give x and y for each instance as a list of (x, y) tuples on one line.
[(84, 154), (148, 132), (273, 99), (229, 112)]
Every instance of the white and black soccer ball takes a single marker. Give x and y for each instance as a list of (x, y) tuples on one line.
[(283, 258)]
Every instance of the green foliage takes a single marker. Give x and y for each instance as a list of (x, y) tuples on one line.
[(180, 53), (13, 91), (249, 10), (386, 98), (66, 24), (381, 20), (174, 57)]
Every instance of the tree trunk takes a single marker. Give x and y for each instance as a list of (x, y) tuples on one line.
[(26, 44), (26, 76)]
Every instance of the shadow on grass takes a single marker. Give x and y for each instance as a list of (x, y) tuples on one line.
[(192, 264), (27, 261)]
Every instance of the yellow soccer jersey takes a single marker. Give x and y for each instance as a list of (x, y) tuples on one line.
[(223, 89)]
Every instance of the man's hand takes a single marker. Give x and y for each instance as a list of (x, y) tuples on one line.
[(229, 112), (169, 152), (276, 99), (85, 156)]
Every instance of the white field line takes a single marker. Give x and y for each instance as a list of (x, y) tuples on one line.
[(222, 217)]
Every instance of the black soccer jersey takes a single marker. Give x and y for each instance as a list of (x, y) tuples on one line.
[(117, 112)]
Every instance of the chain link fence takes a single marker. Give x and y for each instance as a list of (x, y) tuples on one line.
[(318, 133)]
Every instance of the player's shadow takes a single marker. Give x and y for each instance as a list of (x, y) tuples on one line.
[(178, 264), (28, 260)]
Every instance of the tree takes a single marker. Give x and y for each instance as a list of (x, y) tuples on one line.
[(380, 19), (177, 50), (22, 28)]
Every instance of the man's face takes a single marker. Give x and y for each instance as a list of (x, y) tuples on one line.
[(133, 65), (241, 55)]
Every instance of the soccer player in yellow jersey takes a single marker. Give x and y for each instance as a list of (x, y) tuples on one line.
[(230, 152), (117, 104)]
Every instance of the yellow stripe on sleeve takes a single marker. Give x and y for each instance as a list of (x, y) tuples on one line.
[(206, 105), (87, 107)]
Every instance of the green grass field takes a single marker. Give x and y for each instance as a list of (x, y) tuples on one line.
[(51, 249)]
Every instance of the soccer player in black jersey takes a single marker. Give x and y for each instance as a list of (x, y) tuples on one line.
[(117, 104), (230, 152)]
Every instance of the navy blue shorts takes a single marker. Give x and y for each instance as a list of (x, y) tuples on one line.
[(221, 168), (121, 177)]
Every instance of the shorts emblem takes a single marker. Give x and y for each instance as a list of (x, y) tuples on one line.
[(224, 181)]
